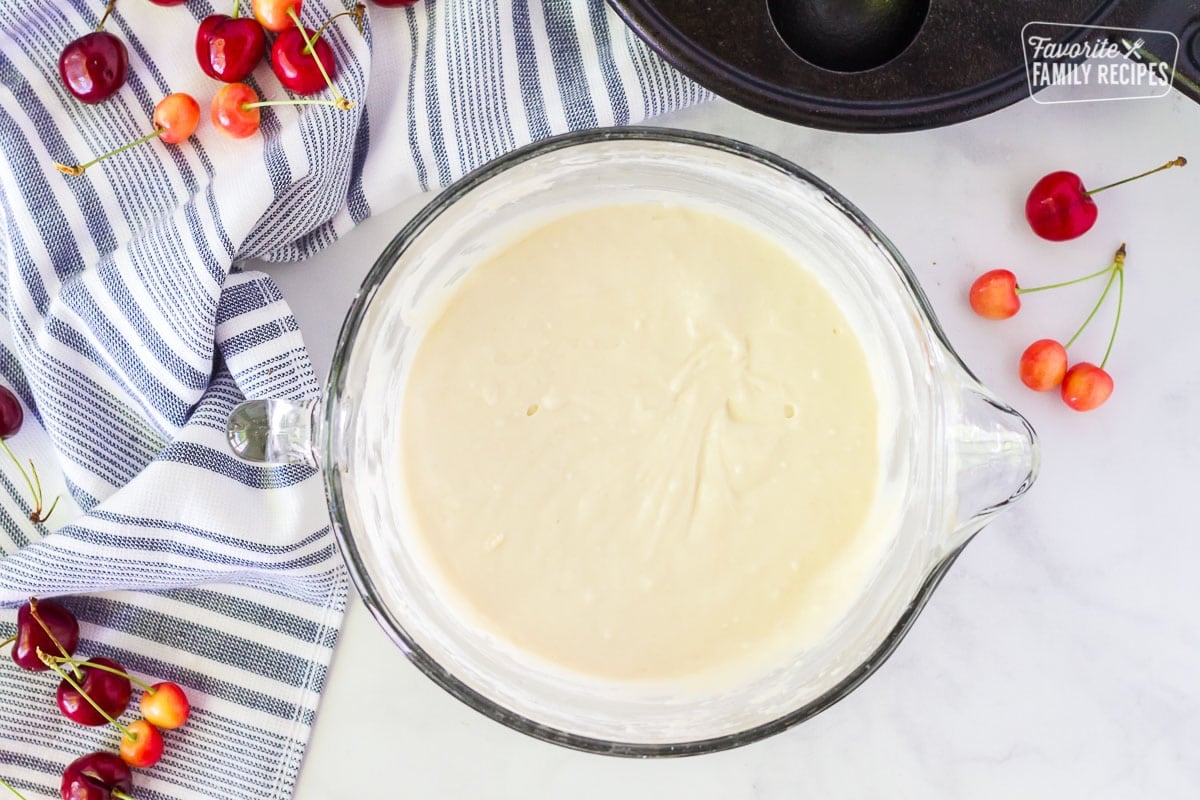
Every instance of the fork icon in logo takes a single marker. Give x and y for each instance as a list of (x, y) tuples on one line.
[(1133, 48)]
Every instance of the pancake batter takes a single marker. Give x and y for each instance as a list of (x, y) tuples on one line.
[(640, 443)]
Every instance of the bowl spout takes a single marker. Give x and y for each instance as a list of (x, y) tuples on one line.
[(994, 458)]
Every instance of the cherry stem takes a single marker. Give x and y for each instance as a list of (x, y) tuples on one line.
[(339, 101), (9, 786), (36, 480), (1116, 266), (119, 795), (1097, 274), (35, 490), (76, 662), (261, 103), (33, 612), (36, 516), (9, 640), (79, 168), (37, 519), (107, 10), (48, 660), (236, 9), (1117, 319), (356, 12), (1178, 162)]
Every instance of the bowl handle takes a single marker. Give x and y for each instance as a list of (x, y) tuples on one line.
[(274, 431)]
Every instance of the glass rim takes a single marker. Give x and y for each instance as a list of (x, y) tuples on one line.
[(359, 573)]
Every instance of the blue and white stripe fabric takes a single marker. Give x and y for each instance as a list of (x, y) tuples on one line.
[(130, 332)]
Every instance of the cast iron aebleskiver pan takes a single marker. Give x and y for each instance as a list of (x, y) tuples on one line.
[(880, 65)]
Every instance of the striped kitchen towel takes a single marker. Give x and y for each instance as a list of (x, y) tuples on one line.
[(129, 333)]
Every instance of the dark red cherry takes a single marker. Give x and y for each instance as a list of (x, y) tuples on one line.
[(11, 413), (297, 70), (110, 691), (31, 636), (97, 776), (1059, 208), (394, 3), (168, 2), (93, 67), (229, 49)]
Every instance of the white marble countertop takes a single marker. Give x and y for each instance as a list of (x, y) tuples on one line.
[(1060, 656)]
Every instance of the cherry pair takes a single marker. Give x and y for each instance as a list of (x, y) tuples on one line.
[(230, 47)]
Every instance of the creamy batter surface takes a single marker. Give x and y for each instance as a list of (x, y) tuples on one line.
[(641, 443)]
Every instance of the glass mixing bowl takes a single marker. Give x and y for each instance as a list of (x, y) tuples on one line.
[(953, 452)]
